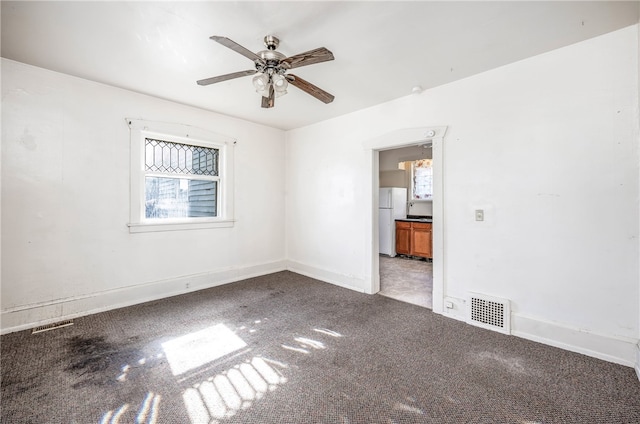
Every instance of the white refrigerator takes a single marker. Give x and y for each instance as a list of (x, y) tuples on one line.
[(393, 205)]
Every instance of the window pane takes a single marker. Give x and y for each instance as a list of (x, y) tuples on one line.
[(422, 179), (180, 198), (177, 158)]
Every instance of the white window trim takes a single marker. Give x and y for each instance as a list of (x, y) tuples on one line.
[(141, 129)]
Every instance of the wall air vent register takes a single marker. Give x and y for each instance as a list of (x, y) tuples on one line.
[(489, 312)]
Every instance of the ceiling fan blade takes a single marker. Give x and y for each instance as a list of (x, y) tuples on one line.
[(308, 58), (309, 88), (226, 77), (271, 100), (236, 47)]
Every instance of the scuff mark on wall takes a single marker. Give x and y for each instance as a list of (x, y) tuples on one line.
[(28, 140)]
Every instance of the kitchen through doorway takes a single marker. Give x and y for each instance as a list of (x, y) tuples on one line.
[(405, 224)]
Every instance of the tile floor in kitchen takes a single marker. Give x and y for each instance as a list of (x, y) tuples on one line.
[(408, 280)]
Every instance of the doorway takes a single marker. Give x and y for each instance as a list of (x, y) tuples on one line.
[(408, 172), (400, 138)]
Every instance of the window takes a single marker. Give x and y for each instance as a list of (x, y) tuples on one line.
[(179, 181), (422, 179)]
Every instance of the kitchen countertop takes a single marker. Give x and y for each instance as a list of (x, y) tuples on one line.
[(427, 220)]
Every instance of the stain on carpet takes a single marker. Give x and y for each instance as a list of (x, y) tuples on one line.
[(95, 360)]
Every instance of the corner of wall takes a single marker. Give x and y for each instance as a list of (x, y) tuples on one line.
[(328, 276), (286, 190), (637, 367)]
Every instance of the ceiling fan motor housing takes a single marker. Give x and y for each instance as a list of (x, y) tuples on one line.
[(271, 42), (271, 59)]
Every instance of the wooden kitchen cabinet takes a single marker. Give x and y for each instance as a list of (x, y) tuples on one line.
[(421, 240), (403, 238), (414, 239)]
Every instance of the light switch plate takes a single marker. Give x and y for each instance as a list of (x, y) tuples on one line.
[(479, 215)]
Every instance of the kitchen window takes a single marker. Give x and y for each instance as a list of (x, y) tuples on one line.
[(422, 179), (180, 180)]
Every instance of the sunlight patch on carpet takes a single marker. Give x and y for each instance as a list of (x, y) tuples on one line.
[(327, 332), (113, 417), (147, 414), (307, 342), (223, 395), (193, 350)]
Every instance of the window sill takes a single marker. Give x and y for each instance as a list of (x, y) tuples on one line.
[(421, 200), (178, 226)]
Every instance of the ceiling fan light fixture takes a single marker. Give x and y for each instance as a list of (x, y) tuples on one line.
[(280, 85), (261, 83)]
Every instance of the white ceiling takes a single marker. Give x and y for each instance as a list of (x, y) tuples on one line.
[(381, 49)]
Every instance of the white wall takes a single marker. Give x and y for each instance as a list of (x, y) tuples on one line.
[(66, 248), (535, 144), (422, 207)]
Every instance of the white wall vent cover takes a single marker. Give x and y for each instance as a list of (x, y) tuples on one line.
[(489, 312)]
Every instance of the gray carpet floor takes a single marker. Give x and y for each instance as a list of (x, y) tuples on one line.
[(284, 348)]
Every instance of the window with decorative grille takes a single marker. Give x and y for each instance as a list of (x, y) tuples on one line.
[(422, 179), (181, 180), (181, 177)]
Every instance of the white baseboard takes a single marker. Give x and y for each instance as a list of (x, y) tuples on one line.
[(29, 316), (620, 350), (346, 281), (617, 349)]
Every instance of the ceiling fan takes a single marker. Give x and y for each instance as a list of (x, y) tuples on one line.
[(272, 67)]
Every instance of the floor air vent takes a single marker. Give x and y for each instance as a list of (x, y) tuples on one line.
[(489, 312), (52, 326)]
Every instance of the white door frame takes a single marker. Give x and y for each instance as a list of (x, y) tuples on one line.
[(393, 140)]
